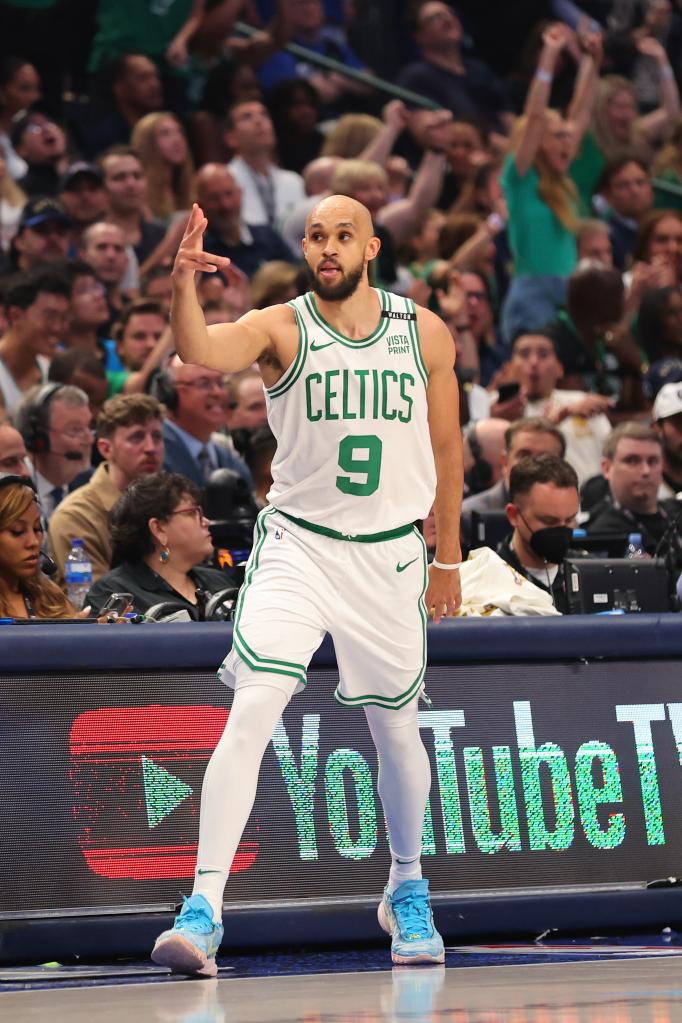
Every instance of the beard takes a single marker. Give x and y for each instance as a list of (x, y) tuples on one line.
[(346, 286)]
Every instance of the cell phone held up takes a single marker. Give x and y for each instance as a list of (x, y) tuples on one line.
[(508, 391), (116, 605)]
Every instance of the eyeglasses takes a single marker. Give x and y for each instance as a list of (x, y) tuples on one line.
[(195, 512), (76, 433), (202, 384), (478, 296)]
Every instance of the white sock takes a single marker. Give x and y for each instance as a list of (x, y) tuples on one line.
[(230, 782), (403, 870), (404, 784)]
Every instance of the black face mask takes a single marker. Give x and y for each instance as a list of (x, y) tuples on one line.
[(551, 543)]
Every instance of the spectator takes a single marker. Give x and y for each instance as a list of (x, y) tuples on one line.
[(594, 242), (659, 325), (88, 313), (126, 185), (130, 440), (274, 283), (84, 370), (541, 197), (627, 194), (42, 234), (351, 135), (160, 539), (19, 90), (423, 245), (659, 245), (137, 332), (136, 90), (580, 416), (466, 149), (307, 26), (268, 192), (41, 143), (13, 458), (24, 591), (161, 142), (522, 438), (248, 247), (82, 192), (37, 315), (483, 454), (245, 401), (54, 421), (195, 399), (260, 451), (103, 246), (12, 202), (295, 109), (617, 129), (460, 84), (633, 467), (157, 285), (593, 344), (477, 317), (667, 417), (542, 509), (317, 178), (668, 167)]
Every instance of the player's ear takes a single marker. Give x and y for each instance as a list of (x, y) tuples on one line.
[(372, 248)]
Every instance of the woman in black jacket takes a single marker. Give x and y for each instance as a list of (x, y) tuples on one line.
[(161, 540)]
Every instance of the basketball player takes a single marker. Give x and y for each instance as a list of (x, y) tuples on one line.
[(362, 399)]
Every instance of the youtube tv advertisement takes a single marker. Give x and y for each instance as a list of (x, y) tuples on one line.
[(544, 777)]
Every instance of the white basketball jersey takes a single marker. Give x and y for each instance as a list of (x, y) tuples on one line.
[(350, 418)]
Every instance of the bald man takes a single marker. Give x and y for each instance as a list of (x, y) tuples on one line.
[(248, 246), (363, 403)]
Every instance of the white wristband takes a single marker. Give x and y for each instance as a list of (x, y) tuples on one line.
[(667, 71), (446, 568), (543, 76)]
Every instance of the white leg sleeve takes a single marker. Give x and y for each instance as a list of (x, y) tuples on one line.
[(230, 782), (404, 784)]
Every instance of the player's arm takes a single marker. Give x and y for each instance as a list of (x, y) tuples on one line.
[(224, 346), (444, 592)]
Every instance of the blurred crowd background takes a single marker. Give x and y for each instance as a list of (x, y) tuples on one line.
[(522, 163)]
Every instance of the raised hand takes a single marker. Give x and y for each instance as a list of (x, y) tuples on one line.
[(556, 36), (395, 115), (191, 257), (651, 47)]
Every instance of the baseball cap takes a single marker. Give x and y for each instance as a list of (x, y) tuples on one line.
[(79, 167), (668, 401), (664, 371), (41, 208)]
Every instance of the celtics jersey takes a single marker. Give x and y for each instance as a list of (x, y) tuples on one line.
[(350, 418)]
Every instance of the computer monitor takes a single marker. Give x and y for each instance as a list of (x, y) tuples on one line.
[(617, 584), (599, 545), (488, 529)]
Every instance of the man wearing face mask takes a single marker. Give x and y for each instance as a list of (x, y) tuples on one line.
[(543, 504)]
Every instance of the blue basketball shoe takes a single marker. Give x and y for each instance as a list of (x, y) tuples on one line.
[(191, 945), (406, 915)]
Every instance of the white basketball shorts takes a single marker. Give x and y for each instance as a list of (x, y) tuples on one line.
[(300, 585)]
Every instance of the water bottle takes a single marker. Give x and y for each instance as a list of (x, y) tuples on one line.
[(635, 549), (78, 573)]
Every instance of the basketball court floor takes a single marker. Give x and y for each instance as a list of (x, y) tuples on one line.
[(598, 982)]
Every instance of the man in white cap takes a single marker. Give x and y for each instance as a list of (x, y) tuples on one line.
[(667, 416)]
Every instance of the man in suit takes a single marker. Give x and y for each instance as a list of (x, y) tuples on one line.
[(196, 401)]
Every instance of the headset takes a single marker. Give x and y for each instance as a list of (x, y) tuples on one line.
[(8, 479), (34, 425), (480, 475), (164, 390)]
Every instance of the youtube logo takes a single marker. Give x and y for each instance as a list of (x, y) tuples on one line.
[(136, 774)]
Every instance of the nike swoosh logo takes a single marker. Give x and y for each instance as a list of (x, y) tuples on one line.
[(401, 568), (318, 348), (208, 871)]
